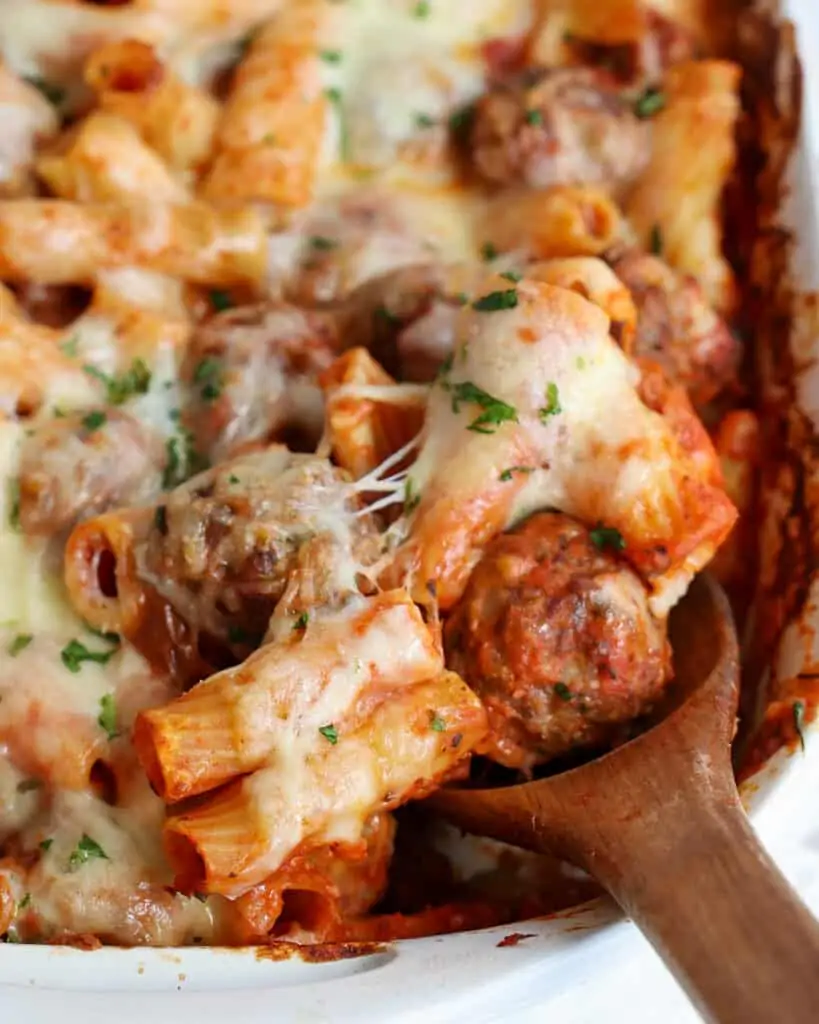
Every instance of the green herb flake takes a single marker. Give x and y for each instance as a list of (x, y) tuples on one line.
[(489, 252), (799, 722), (110, 638), (86, 849), (331, 56), (655, 240), (46, 845), (496, 301), (533, 117), (220, 300), (580, 363), (461, 119), (412, 497), (552, 406), (422, 9), (334, 95), (651, 102), (495, 411), (14, 504), (424, 121), (69, 347), (436, 723), (563, 691), (107, 718), (208, 374), (55, 94), (322, 243), (19, 643), (135, 381), (24, 902), (75, 653), (507, 474), (512, 275), (301, 621), (94, 420), (607, 537), (330, 733), (233, 479)]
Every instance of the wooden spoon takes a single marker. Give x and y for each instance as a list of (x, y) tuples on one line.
[(658, 822)]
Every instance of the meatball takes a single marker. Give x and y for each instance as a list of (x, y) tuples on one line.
[(406, 318), (677, 328), (224, 546), (76, 465), (568, 126), (252, 373), (555, 636)]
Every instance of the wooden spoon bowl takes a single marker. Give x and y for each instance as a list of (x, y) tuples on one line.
[(659, 823)]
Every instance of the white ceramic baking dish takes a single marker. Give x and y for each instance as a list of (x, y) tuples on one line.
[(571, 967)]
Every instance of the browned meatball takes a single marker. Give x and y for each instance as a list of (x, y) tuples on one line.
[(223, 547), (677, 328), (76, 465), (406, 318), (568, 126), (555, 635), (252, 373)]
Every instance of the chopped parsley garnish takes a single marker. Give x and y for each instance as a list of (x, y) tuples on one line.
[(507, 474), (94, 420), (46, 844), (75, 653), (330, 56), (86, 849), (412, 498), (220, 300), (322, 243), (161, 519), (302, 620), (135, 381), (552, 406), (424, 121), (512, 275), (55, 94), (494, 412), (107, 718), (445, 366), (436, 723), (182, 459), (799, 722), (495, 301), (24, 902), (421, 9), (333, 94), (330, 733), (563, 691), (655, 240), (233, 479), (111, 638), (19, 643), (533, 117), (208, 374), (69, 348), (607, 537), (651, 102), (14, 504), (488, 251)]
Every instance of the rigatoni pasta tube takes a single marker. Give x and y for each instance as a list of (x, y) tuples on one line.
[(105, 160), (174, 118), (555, 222), (327, 790), (676, 203), (273, 124), (100, 570), (363, 427), (54, 241), (332, 671)]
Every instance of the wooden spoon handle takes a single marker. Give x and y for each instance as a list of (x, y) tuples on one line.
[(717, 909)]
